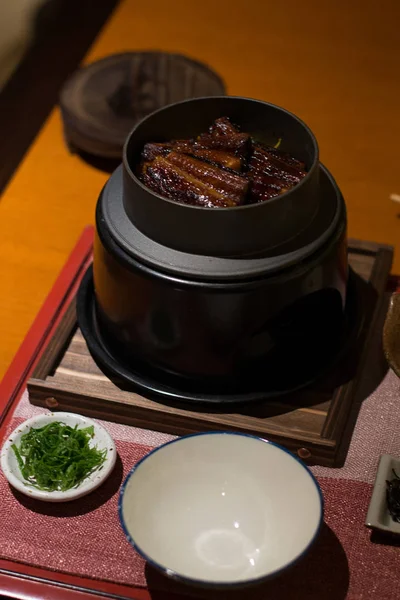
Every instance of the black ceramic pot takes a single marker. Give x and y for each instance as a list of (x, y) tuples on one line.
[(218, 296)]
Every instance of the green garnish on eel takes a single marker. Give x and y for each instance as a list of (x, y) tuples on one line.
[(58, 457)]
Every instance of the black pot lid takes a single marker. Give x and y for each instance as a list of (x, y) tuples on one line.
[(102, 102), (116, 229)]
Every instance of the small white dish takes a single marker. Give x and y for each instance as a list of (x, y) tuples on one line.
[(101, 439), (221, 509), (378, 516)]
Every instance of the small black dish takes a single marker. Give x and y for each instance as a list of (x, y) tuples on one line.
[(173, 389)]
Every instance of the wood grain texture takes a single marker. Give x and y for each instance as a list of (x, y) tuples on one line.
[(335, 64), (310, 422)]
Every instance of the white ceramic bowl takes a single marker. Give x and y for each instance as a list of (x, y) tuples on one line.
[(101, 439), (221, 509)]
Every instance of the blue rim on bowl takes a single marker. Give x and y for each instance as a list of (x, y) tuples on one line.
[(217, 583)]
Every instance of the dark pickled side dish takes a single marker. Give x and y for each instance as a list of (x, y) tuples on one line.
[(393, 497), (222, 168)]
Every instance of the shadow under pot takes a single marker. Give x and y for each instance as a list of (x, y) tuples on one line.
[(240, 298)]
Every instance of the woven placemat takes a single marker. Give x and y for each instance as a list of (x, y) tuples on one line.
[(344, 563)]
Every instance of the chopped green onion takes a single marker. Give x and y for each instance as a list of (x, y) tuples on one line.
[(58, 457), (278, 143)]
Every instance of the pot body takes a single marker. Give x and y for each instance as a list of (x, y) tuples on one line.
[(227, 331)]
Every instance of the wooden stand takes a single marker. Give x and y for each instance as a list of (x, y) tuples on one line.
[(310, 423)]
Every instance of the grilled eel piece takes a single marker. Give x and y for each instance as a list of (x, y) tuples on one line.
[(223, 140), (217, 157), (223, 126), (236, 143), (264, 187), (263, 162), (192, 148), (152, 150), (219, 146), (271, 173), (270, 176), (260, 192), (226, 182), (284, 157), (221, 168), (175, 182)]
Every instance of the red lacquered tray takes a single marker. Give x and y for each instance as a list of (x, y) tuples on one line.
[(19, 580)]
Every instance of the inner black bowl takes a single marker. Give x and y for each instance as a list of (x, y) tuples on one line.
[(245, 230)]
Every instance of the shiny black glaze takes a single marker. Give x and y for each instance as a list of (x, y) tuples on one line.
[(221, 330)]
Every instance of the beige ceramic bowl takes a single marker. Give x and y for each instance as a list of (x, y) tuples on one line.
[(221, 509)]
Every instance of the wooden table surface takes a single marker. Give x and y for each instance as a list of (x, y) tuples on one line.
[(335, 64)]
